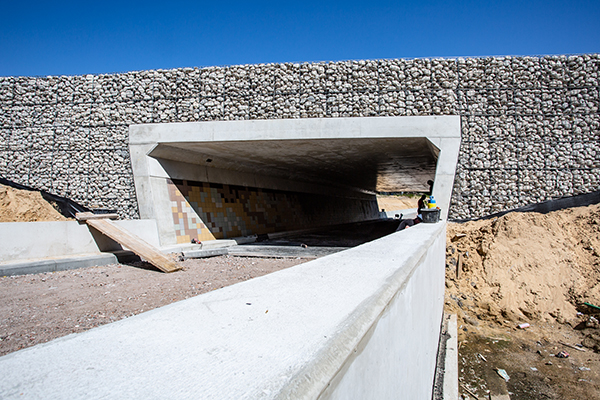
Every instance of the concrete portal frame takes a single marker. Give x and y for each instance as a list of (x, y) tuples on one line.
[(158, 152)]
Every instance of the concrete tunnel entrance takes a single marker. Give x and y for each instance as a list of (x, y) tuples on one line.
[(214, 180)]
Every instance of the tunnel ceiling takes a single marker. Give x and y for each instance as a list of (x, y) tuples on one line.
[(369, 164)]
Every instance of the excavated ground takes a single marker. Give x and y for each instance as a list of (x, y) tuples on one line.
[(25, 206), (527, 268)]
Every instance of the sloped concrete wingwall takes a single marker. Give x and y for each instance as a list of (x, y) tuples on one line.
[(530, 125)]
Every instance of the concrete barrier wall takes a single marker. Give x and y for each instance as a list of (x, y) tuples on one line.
[(32, 240), (362, 323), (530, 125), (397, 357)]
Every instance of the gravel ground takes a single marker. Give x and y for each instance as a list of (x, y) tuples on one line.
[(38, 308)]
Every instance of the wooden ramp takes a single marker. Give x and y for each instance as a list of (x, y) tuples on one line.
[(102, 223)]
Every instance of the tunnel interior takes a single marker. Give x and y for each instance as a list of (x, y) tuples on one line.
[(265, 186)]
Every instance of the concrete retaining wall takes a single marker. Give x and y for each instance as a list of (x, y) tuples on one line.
[(530, 125), (358, 324), (36, 240)]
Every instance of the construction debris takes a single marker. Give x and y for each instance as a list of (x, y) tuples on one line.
[(562, 354), (503, 374)]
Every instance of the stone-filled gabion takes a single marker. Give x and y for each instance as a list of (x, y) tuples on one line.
[(530, 125)]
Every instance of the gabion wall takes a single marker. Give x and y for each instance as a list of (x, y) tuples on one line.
[(531, 125)]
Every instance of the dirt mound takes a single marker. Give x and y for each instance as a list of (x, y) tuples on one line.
[(524, 266), (25, 206)]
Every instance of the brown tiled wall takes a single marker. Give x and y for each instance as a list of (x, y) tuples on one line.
[(207, 211)]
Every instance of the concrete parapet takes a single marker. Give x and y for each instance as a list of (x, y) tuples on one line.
[(446, 376), (451, 359)]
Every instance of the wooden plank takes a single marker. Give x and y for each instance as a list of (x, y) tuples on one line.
[(468, 391), (88, 215), (571, 346), (135, 244), (459, 266)]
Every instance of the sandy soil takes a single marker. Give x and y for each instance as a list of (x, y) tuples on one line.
[(25, 206), (529, 268), (393, 203), (38, 308)]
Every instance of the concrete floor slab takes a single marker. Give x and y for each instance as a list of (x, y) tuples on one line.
[(283, 251)]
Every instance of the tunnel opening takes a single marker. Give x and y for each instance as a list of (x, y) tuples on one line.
[(222, 180)]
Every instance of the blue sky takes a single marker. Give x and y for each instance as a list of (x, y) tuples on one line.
[(73, 38)]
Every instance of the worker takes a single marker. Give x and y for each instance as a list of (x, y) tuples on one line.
[(421, 203), (409, 222)]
